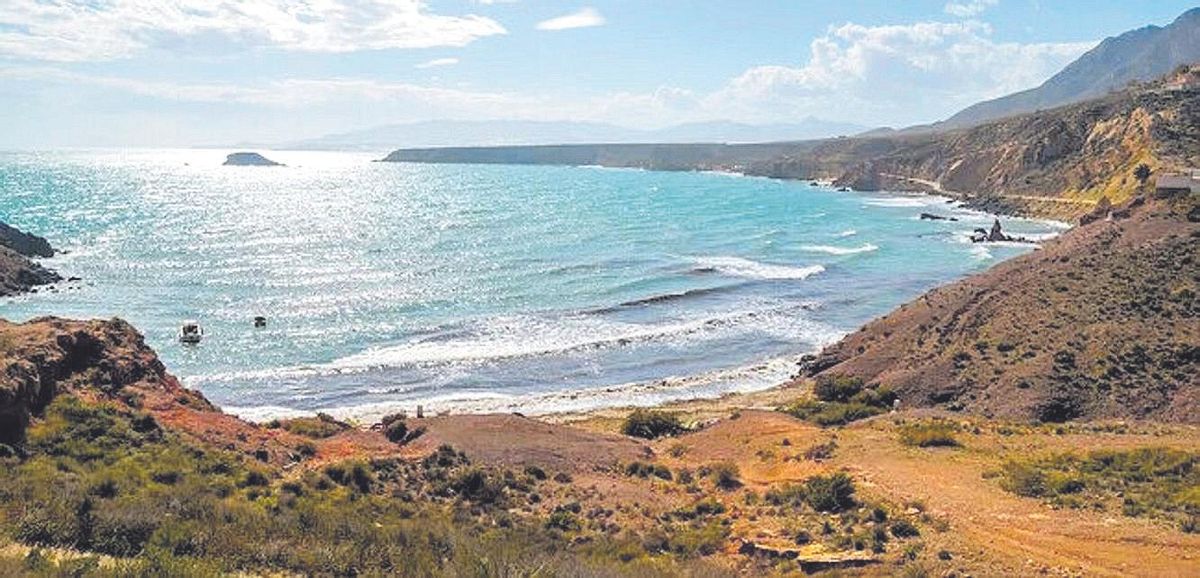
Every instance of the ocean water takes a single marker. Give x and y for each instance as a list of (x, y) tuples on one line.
[(473, 288)]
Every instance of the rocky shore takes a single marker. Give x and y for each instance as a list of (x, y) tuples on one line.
[(18, 272)]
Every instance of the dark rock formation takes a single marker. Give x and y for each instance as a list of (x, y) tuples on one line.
[(246, 159), (933, 217), (24, 243), (18, 274), (995, 235)]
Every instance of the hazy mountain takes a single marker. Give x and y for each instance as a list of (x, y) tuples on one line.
[(438, 133), (1137, 55)]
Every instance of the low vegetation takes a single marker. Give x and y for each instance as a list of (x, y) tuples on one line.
[(320, 426), (936, 433), (1157, 483), (841, 400), (102, 481), (652, 424)]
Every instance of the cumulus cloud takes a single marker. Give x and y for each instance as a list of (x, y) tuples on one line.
[(83, 30), (968, 8), (438, 62), (911, 73), (583, 18)]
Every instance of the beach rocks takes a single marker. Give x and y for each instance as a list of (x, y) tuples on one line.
[(995, 235), (249, 159), (933, 217), (19, 275)]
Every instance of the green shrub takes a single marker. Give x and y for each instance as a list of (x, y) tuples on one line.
[(841, 400), (929, 434), (1153, 482), (726, 476), (321, 426), (651, 424), (904, 529), (833, 493), (646, 470), (837, 388)]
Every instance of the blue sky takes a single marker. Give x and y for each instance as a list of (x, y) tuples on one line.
[(187, 72)]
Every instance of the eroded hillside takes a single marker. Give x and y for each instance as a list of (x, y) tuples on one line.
[(1100, 323)]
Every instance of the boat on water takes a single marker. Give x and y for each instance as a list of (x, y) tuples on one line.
[(190, 332)]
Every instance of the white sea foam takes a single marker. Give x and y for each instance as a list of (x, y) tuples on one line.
[(740, 267), (706, 385), (832, 250), (981, 252), (506, 338), (847, 233)]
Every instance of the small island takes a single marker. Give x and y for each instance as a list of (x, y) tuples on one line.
[(248, 159)]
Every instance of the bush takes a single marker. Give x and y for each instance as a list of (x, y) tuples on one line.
[(904, 529), (562, 519), (645, 470), (931, 434), (650, 424), (396, 431), (841, 400), (833, 493), (726, 476), (837, 388), (321, 426)]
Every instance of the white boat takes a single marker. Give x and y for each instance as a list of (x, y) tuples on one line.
[(190, 332)]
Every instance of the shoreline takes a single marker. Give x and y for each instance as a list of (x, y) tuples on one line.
[(710, 386)]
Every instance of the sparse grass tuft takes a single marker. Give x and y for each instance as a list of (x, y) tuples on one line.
[(929, 434)]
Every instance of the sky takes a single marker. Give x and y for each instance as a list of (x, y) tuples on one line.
[(78, 73)]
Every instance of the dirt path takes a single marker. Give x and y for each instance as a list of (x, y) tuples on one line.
[(937, 187), (1009, 534)]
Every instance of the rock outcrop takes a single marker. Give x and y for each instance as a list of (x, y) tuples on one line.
[(18, 274), (24, 243), (1100, 323), (46, 357), (247, 159)]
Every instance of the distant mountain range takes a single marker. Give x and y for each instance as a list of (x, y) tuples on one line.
[(1138, 55), (522, 132)]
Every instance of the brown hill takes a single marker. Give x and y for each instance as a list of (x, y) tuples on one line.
[(1100, 323)]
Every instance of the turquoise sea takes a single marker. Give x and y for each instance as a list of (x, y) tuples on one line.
[(467, 287)]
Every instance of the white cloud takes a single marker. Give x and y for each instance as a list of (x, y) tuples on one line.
[(81, 30), (438, 62), (895, 73), (583, 18), (968, 8), (869, 75)]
